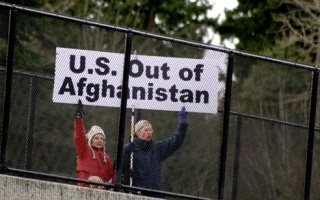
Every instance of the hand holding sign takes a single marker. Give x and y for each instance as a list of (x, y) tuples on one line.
[(183, 115), (79, 110)]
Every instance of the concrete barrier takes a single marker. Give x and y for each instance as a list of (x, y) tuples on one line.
[(17, 188)]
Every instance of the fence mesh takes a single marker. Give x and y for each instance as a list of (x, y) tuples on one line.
[(267, 130)]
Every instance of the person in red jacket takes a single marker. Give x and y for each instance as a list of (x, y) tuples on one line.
[(92, 162)]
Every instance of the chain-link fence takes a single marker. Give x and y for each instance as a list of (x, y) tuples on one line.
[(252, 120)]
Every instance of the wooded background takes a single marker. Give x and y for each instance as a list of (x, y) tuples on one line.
[(272, 155)]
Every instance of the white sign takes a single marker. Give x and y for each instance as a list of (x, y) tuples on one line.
[(156, 83)]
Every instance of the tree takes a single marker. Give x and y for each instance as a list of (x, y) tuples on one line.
[(301, 30), (270, 90), (180, 19), (251, 22)]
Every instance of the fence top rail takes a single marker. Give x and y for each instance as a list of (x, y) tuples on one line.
[(272, 120), (277, 61), (30, 74), (162, 37)]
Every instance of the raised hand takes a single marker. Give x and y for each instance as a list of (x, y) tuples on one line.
[(79, 109), (183, 115)]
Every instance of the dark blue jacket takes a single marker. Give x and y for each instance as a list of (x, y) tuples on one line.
[(147, 157)]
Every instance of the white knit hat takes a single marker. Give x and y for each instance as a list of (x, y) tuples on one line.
[(93, 131), (140, 124)]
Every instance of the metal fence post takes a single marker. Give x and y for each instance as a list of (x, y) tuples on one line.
[(31, 112), (226, 116), (312, 120), (8, 90), (237, 150), (122, 123)]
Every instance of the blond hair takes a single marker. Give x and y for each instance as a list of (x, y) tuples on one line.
[(140, 124)]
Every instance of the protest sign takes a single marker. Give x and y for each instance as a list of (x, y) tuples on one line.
[(157, 83)]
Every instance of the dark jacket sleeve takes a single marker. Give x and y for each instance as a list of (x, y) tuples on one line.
[(168, 146), (126, 158)]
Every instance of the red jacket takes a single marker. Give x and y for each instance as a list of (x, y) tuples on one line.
[(86, 165)]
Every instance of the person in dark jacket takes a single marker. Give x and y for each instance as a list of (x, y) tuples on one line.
[(92, 162), (142, 157)]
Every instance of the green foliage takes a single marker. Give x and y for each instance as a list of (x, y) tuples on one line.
[(179, 18), (252, 23), (281, 29), (255, 25), (299, 32), (182, 19)]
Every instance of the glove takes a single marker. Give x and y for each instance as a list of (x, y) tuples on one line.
[(79, 110), (183, 115)]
